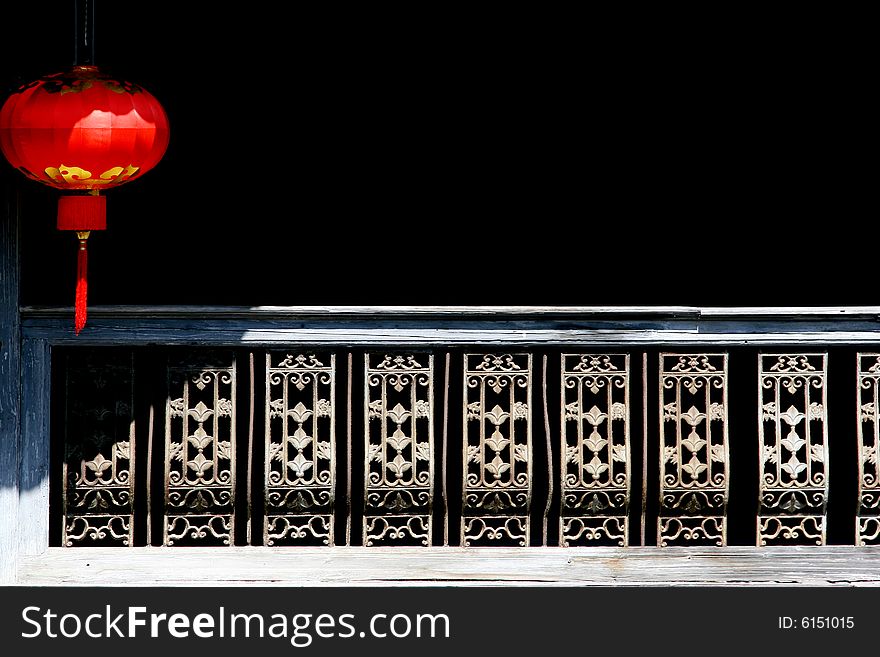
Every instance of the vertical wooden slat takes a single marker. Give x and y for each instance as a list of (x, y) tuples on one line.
[(445, 448), (549, 443), (249, 472), (644, 515), (151, 420), (349, 437)]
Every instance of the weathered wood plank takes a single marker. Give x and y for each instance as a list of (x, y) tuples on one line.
[(346, 566), (778, 312), (10, 358), (347, 325), (228, 334), (433, 312), (33, 498)]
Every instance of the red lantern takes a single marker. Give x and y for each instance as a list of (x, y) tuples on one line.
[(83, 131)]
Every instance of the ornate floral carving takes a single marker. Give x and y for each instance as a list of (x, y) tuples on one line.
[(498, 363), (699, 363), (398, 362), (594, 364), (791, 363)]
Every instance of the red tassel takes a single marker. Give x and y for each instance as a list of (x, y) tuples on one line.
[(82, 282)]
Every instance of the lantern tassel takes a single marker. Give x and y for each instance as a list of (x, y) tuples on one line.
[(82, 282)]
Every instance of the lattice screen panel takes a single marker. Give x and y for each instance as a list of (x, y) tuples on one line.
[(399, 448), (694, 459), (200, 450), (497, 449), (793, 482), (99, 466), (595, 452), (329, 446), (300, 449), (868, 520)]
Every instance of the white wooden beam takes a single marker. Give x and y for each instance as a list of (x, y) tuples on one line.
[(354, 566)]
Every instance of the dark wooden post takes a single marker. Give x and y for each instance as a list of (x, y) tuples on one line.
[(10, 383)]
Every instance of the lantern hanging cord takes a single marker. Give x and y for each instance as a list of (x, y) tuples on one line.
[(84, 33)]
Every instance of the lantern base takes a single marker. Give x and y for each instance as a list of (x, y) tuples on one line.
[(82, 213)]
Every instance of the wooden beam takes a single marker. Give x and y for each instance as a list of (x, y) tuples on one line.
[(444, 325), (355, 566), (467, 312), (231, 333)]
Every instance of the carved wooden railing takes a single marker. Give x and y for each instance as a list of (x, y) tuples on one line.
[(450, 428)]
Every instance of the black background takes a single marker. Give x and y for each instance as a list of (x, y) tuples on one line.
[(391, 156), (396, 156)]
